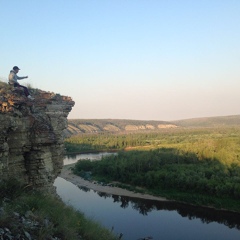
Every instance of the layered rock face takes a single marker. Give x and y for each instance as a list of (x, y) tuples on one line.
[(31, 135)]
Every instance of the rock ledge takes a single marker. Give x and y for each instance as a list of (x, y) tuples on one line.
[(31, 135)]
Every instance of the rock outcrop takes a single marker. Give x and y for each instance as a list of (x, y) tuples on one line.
[(82, 126), (31, 135)]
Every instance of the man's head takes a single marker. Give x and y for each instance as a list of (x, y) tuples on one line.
[(16, 69)]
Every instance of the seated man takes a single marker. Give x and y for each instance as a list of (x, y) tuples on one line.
[(13, 80)]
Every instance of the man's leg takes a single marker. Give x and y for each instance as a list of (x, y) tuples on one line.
[(26, 92)]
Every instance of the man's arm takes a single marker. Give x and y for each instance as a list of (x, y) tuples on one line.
[(19, 78)]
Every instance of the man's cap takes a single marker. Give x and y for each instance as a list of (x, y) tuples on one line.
[(16, 68)]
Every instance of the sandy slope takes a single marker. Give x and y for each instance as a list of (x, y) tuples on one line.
[(78, 181)]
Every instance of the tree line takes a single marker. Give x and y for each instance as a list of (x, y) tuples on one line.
[(168, 168), (205, 162), (220, 143)]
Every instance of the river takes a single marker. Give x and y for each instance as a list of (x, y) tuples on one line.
[(138, 218)]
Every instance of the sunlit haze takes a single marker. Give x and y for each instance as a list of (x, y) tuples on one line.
[(138, 59)]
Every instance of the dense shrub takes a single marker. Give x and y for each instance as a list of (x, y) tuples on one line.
[(169, 168)]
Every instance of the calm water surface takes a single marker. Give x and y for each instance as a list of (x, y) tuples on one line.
[(72, 158), (137, 218)]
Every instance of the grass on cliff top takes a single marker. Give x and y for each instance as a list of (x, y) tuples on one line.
[(63, 221), (4, 85)]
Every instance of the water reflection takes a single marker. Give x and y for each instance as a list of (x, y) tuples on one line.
[(207, 215), (73, 158), (85, 189), (161, 220), (136, 218)]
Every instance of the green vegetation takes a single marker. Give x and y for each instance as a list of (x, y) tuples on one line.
[(108, 141), (101, 142), (201, 166), (49, 216), (206, 142)]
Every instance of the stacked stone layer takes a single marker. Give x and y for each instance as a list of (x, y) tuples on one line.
[(31, 135)]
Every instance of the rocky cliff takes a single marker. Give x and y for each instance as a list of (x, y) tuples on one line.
[(31, 135)]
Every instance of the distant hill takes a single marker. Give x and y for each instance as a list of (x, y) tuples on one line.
[(222, 121), (80, 126), (76, 126)]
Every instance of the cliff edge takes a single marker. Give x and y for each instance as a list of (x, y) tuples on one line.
[(31, 135)]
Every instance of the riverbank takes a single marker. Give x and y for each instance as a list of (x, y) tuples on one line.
[(67, 174), (28, 214)]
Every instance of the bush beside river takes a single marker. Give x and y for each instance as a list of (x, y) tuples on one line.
[(164, 173), (199, 166)]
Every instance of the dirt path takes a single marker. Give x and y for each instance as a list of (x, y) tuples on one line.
[(78, 181)]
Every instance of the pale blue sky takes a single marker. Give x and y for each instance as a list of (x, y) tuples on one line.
[(128, 59)]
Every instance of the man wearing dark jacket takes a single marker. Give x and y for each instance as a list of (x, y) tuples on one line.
[(13, 80)]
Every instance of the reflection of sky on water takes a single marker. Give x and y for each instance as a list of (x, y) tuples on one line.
[(160, 224), (69, 159)]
